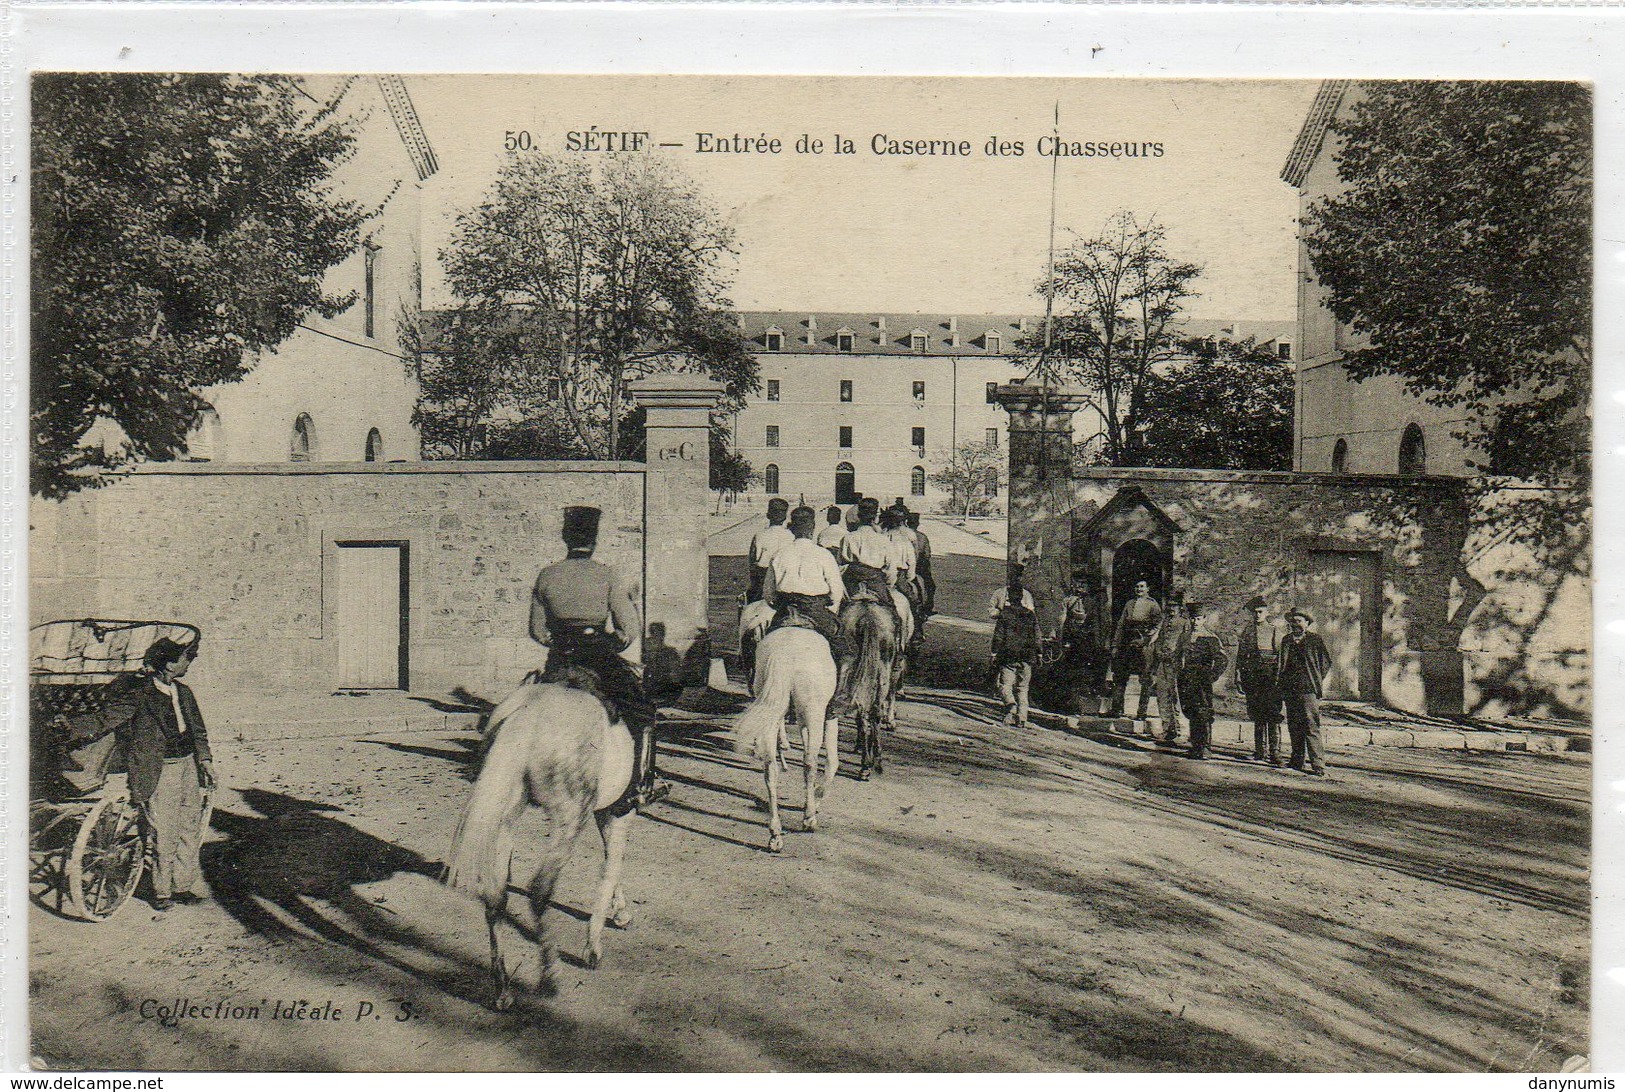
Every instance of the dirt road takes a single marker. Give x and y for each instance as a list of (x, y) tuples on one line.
[(998, 900)]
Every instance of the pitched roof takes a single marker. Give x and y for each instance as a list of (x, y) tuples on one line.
[(1313, 134), (892, 334), (407, 123)]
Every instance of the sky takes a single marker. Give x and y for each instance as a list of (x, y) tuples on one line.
[(950, 234)]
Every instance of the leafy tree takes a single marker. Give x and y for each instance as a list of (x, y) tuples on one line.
[(1120, 295), (1225, 406), (971, 474), (1460, 247), (574, 279), (182, 224)]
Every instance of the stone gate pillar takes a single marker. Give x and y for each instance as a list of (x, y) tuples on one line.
[(676, 563), (1040, 529)]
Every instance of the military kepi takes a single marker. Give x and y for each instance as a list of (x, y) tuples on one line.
[(581, 526)]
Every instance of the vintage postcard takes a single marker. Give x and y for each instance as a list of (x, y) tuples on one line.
[(645, 572)]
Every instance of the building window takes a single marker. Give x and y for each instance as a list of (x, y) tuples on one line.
[(846, 390), (1413, 452), (994, 343), (993, 483), (775, 339), (1340, 457), (992, 437), (917, 439), (772, 390), (375, 447), (369, 291), (917, 341), (1283, 350), (843, 341), (770, 478), (846, 436), (919, 390), (302, 449), (992, 393), (916, 481), (772, 435)]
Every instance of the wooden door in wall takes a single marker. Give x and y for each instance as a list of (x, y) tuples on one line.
[(370, 582), (1342, 592)]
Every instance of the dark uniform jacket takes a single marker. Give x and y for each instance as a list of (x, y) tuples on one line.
[(1304, 663), (151, 735), (1256, 667)]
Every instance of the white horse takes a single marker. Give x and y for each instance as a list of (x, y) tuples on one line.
[(793, 670), (553, 747)]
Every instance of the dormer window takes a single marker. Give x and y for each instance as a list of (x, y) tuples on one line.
[(994, 342), (917, 341), (843, 341), (775, 339), (1283, 350)]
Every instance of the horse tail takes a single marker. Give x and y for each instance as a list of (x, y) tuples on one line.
[(876, 643), (543, 748), (756, 732)]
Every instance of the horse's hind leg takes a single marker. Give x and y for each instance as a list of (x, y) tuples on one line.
[(775, 832), (832, 753), (810, 736), (613, 830), (564, 825), (501, 979)]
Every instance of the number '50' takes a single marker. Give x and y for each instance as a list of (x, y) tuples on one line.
[(516, 141)]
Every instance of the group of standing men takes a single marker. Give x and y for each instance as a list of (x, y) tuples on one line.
[(1178, 657)]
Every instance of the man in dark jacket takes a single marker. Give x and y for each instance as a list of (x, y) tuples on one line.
[(1301, 682), (166, 750), (1199, 668), (1258, 659)]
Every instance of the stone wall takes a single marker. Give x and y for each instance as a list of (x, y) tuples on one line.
[(246, 553), (251, 554), (1464, 619)]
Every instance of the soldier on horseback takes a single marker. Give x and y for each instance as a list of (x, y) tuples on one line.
[(871, 558), (803, 581), (587, 614)]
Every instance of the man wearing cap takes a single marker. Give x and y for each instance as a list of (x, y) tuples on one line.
[(870, 558), (166, 749), (1258, 658), (1167, 656), (767, 542), (1200, 666), (1301, 682), (922, 552), (894, 523), (834, 530), (587, 614), (804, 578), (1131, 647)]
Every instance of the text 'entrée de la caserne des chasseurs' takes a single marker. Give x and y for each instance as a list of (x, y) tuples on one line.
[(594, 139)]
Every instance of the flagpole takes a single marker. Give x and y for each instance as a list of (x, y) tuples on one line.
[(1049, 303)]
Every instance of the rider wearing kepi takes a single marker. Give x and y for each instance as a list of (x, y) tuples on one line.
[(587, 615)]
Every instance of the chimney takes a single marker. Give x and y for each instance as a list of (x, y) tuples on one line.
[(812, 329), (953, 331)]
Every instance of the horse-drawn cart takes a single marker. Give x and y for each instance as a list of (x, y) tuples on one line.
[(86, 847)]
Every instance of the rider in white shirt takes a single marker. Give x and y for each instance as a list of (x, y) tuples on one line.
[(765, 543)]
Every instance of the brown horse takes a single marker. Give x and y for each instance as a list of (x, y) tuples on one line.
[(879, 661)]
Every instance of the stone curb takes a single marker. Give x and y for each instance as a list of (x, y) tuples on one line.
[(275, 731), (1348, 735)]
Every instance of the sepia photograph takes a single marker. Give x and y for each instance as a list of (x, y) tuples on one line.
[(653, 573)]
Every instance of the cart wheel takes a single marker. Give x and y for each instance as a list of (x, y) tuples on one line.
[(106, 860)]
